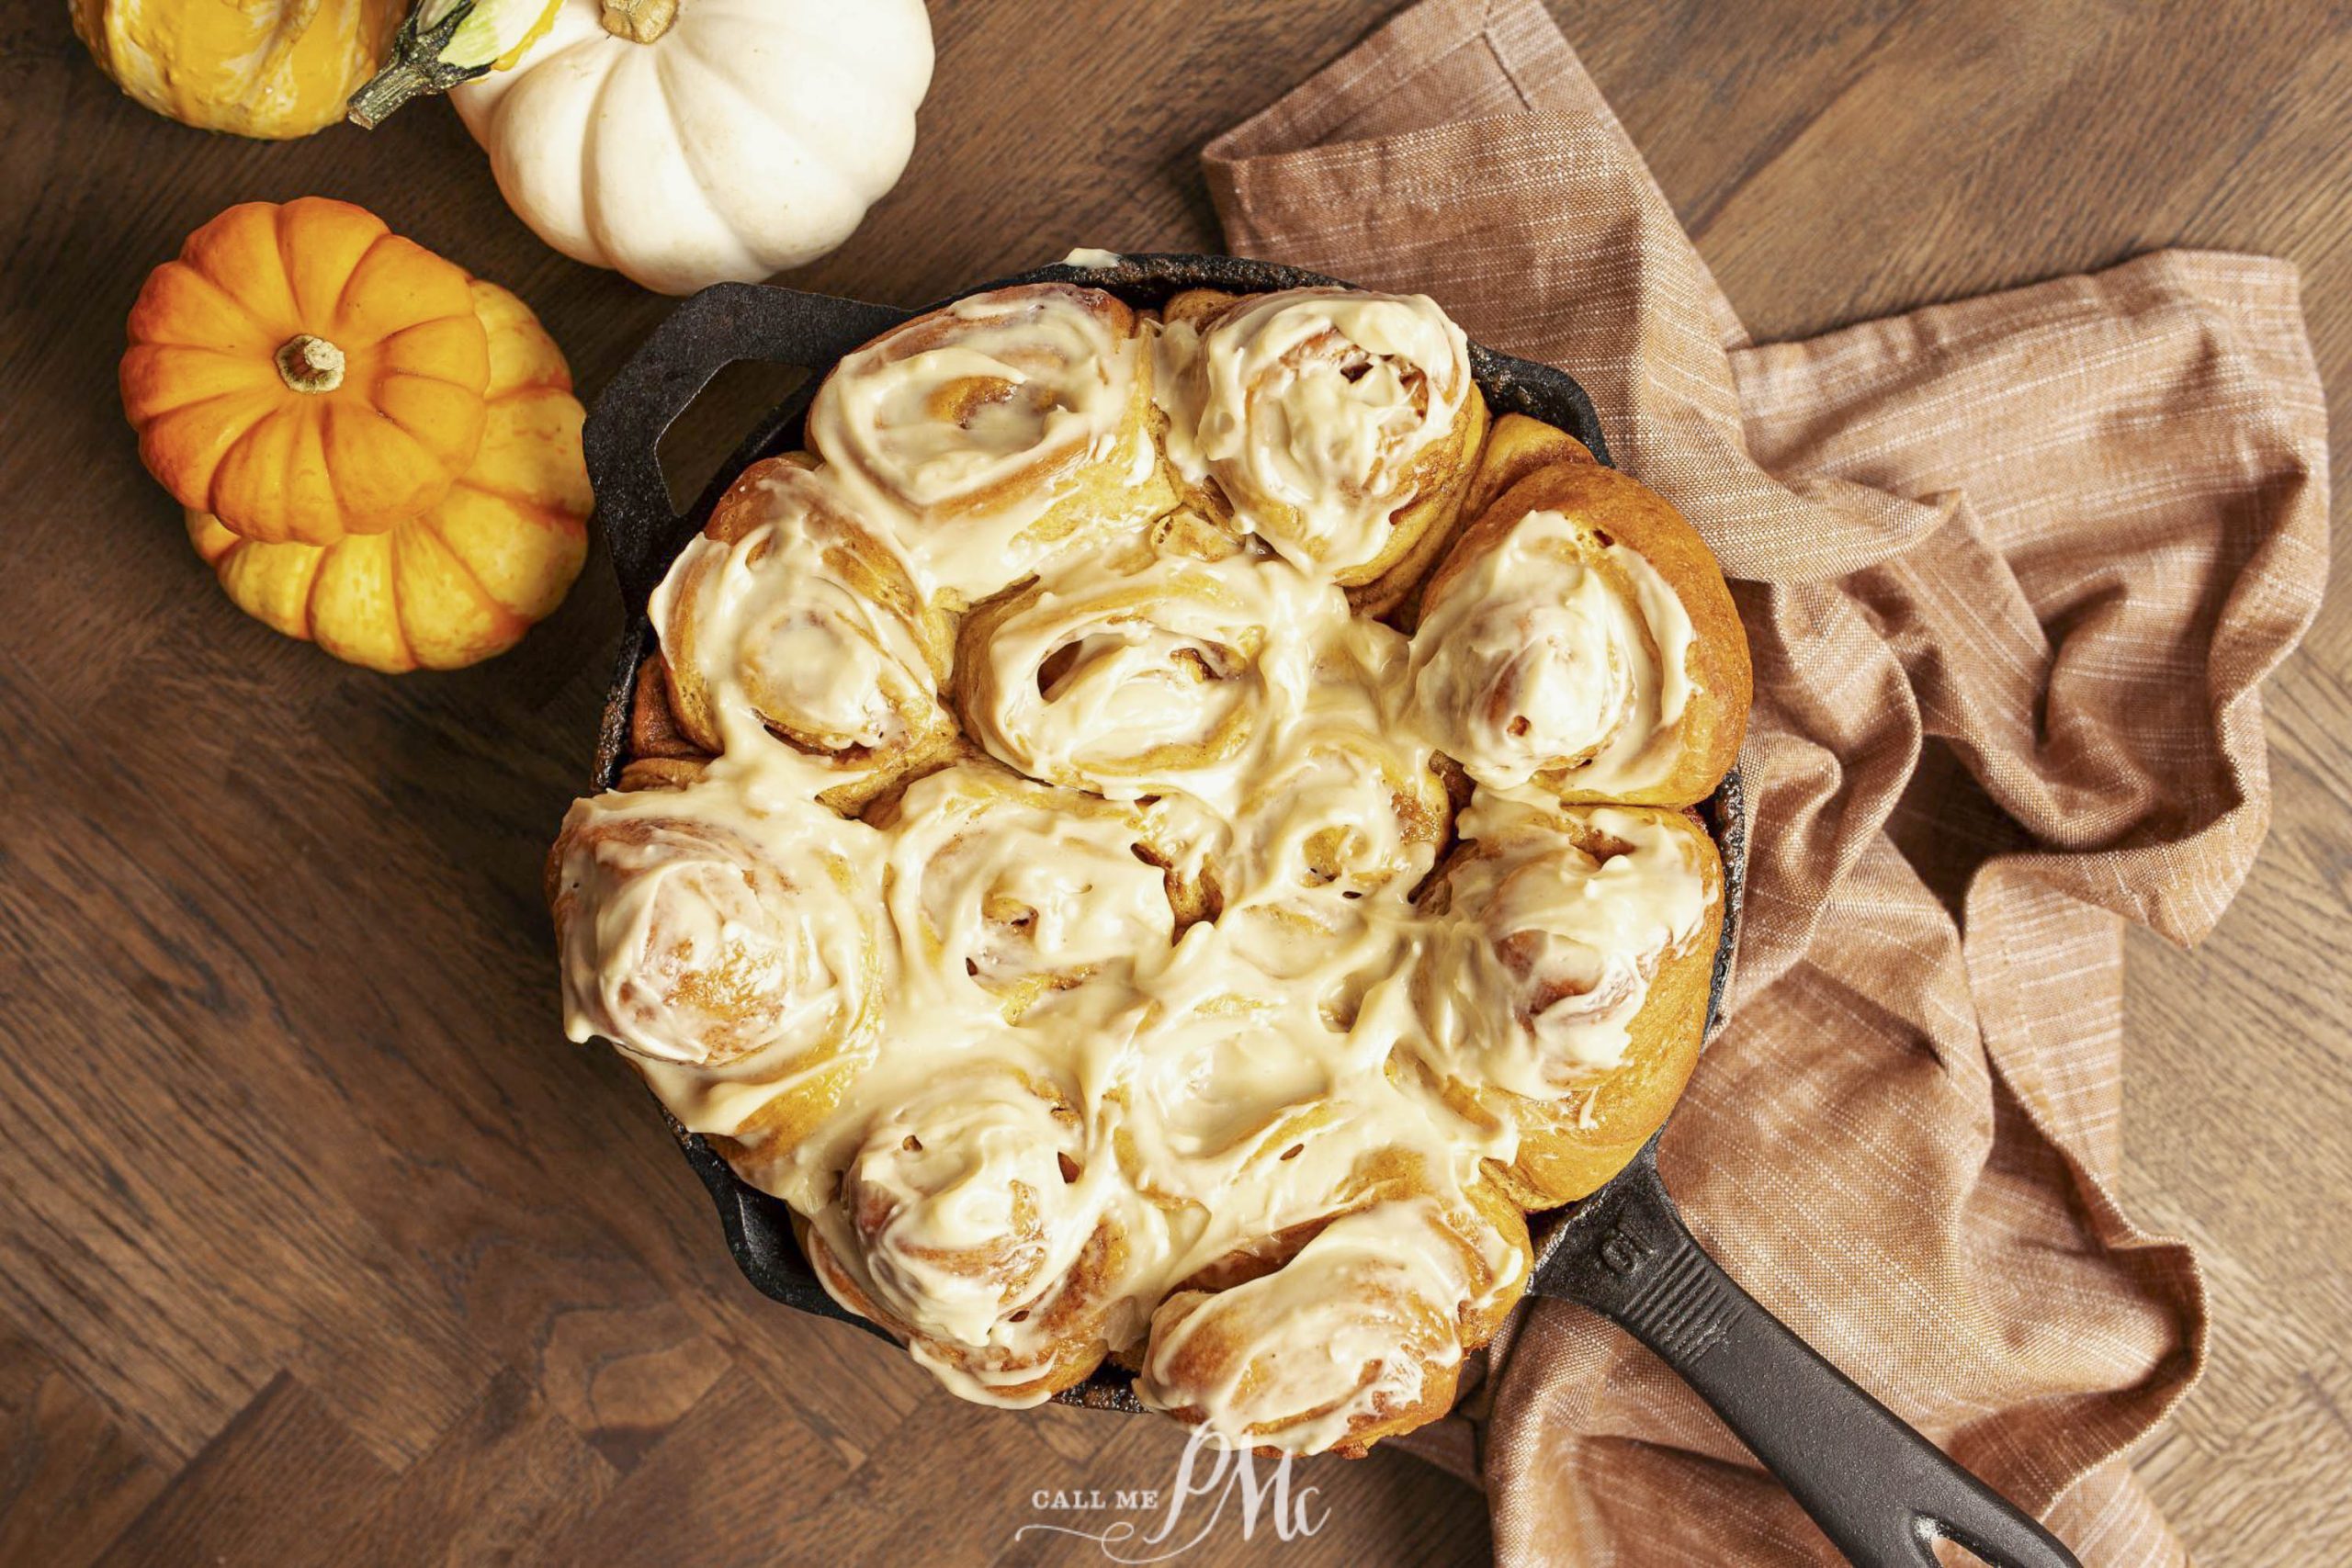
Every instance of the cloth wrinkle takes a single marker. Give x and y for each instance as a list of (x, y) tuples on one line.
[(2013, 568)]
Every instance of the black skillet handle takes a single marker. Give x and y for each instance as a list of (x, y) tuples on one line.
[(723, 324), (1880, 1491)]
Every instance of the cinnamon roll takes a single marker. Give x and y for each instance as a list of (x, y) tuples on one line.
[(1341, 808), (968, 1224), (1246, 1110), (1218, 1090), (1017, 888), (1565, 993), (730, 947), (1580, 634), (786, 620), (1339, 824), (1338, 425), (1138, 669), (1344, 798), (1359, 1335), (996, 430)]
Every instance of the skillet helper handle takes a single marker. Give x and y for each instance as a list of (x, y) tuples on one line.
[(710, 331), (1880, 1491)]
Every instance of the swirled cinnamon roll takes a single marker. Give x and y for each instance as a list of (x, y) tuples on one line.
[(731, 948), (1341, 808), (968, 1224), (1241, 1105), (1359, 1335), (1580, 634), (787, 619), (1339, 818), (1338, 425), (1019, 888), (1566, 995), (1135, 669), (1218, 1089), (996, 431), (1346, 797)]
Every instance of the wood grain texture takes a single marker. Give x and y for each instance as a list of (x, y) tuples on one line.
[(316, 1241)]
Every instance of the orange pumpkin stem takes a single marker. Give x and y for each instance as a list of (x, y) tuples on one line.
[(640, 21), (309, 363)]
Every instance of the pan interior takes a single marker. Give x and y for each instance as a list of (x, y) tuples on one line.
[(759, 1227)]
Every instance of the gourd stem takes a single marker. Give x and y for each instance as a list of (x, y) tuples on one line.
[(640, 21), (395, 85), (309, 363), (416, 67)]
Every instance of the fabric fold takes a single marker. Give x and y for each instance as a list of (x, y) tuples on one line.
[(2013, 569)]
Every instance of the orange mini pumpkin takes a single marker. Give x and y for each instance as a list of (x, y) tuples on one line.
[(303, 373), (467, 577)]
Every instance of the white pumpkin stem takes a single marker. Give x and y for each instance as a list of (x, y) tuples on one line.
[(640, 21), (309, 363)]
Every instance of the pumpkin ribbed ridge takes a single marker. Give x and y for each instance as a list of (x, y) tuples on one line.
[(422, 593), (226, 428), (610, 149)]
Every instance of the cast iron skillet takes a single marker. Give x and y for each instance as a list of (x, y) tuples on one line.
[(1880, 1491)]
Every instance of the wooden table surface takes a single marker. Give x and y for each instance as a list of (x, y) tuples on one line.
[(317, 1242)]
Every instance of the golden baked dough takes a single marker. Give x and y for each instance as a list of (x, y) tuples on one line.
[(1109, 937), (1516, 447)]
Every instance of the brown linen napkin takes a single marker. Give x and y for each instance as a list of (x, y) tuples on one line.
[(2013, 569)]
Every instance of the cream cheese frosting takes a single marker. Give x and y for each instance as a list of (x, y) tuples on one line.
[(964, 1206), (1538, 656), (1310, 409), (1071, 1046), (713, 933), (968, 428), (1554, 938), (802, 630), (1014, 889), (1355, 1320)]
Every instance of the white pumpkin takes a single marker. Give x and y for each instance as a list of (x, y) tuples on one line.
[(690, 141)]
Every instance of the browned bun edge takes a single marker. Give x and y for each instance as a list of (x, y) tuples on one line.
[(1567, 1151), (1610, 507)]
